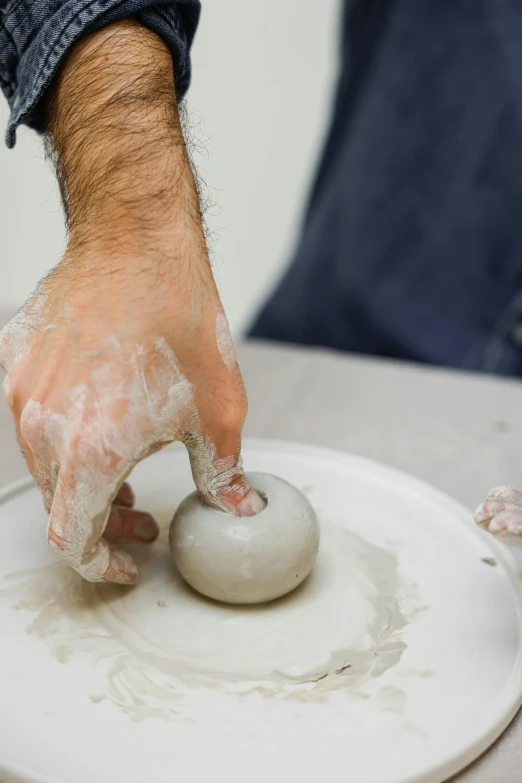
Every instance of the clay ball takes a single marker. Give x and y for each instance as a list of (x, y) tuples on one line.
[(246, 560)]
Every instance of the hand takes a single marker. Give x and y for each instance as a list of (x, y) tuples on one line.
[(124, 347), (501, 514)]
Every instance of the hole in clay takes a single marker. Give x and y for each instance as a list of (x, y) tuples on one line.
[(263, 496)]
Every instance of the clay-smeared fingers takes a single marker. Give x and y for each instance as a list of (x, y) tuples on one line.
[(498, 500), (501, 514), (508, 521), (77, 522), (214, 444), (126, 524), (507, 526), (506, 494), (487, 510), (221, 481)]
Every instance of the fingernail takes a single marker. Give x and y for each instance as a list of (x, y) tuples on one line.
[(147, 529), (251, 505)]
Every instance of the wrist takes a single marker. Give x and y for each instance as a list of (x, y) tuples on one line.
[(116, 139), (146, 282), (134, 215)]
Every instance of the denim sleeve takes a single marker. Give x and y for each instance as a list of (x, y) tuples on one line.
[(35, 36)]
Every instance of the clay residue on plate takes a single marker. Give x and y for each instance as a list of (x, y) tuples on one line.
[(151, 673)]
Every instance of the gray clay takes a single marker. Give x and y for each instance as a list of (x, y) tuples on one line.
[(246, 560)]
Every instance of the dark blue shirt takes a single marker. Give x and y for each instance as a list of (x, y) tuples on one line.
[(411, 246), (35, 36)]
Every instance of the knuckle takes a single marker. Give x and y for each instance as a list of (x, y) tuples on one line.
[(8, 391), (55, 540), (228, 412), (500, 491), (5, 347), (13, 390), (32, 423), (14, 338)]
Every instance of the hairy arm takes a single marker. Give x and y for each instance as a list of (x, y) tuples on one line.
[(116, 139), (118, 351)]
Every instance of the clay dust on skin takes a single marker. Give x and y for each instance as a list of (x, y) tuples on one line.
[(6, 388), (131, 403), (296, 648), (15, 337), (225, 342), (114, 421), (501, 514)]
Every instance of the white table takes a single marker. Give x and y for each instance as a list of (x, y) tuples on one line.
[(458, 431)]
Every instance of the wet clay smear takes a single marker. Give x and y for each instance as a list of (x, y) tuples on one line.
[(154, 644)]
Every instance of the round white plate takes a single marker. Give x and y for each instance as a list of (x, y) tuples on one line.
[(398, 660)]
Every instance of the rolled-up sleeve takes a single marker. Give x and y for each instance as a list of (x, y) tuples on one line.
[(35, 36)]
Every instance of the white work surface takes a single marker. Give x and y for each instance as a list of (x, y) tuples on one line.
[(460, 432)]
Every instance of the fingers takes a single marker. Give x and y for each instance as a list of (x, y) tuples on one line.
[(102, 562), (80, 510), (499, 499), (125, 524), (125, 496), (121, 568), (507, 522), (487, 510), (506, 494), (40, 433), (240, 498), (221, 481), (215, 446), (507, 525), (501, 514)]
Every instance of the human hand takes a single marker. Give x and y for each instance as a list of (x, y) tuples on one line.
[(501, 514), (124, 347)]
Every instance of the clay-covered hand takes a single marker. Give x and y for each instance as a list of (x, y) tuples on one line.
[(501, 514), (124, 348), (103, 370)]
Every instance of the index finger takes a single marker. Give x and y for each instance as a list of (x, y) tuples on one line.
[(78, 518), (220, 480)]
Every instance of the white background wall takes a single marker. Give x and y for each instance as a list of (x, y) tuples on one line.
[(263, 75)]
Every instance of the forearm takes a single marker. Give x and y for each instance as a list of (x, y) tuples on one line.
[(116, 137)]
